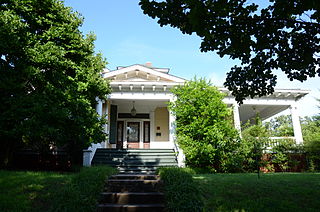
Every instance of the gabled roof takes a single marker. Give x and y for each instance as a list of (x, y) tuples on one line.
[(141, 73)]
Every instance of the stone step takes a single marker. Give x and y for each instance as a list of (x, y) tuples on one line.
[(133, 150), (130, 208), (132, 193), (132, 198), (134, 177), (151, 158), (133, 164), (142, 170), (135, 155), (129, 185), (127, 171), (136, 162)]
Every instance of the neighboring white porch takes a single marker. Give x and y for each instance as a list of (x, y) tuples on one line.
[(267, 107)]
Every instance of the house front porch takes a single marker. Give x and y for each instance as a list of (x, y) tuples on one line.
[(139, 123), (138, 115)]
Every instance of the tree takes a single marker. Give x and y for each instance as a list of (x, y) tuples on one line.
[(311, 138), (285, 35), (280, 126), (49, 78), (204, 125), (255, 139)]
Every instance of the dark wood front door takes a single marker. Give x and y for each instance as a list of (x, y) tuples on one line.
[(133, 134)]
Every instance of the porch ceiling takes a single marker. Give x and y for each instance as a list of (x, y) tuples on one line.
[(248, 112), (142, 106)]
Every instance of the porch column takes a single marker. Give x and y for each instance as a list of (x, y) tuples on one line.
[(296, 124), (172, 129), (99, 106), (106, 126), (236, 117), (94, 147)]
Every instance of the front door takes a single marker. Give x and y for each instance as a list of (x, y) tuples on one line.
[(133, 134)]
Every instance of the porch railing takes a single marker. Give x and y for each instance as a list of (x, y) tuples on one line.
[(275, 141)]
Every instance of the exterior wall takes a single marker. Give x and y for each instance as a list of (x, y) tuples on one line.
[(161, 145), (161, 124)]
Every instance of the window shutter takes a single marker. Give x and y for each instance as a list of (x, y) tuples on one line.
[(113, 124)]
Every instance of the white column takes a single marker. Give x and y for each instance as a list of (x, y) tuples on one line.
[(106, 129), (99, 106), (87, 157), (141, 135), (296, 124), (236, 117), (94, 147), (172, 129), (105, 126), (172, 132)]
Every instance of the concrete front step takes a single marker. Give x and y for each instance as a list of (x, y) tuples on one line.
[(150, 160), (133, 154), (129, 185), (144, 158), (130, 208), (132, 197), (132, 193), (134, 164), (147, 172), (134, 177), (137, 170), (135, 160), (133, 150)]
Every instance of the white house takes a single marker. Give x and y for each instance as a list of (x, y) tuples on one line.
[(138, 116)]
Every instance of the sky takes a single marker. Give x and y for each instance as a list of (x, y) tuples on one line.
[(125, 36)]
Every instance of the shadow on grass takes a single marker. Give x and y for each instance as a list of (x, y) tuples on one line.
[(50, 191)]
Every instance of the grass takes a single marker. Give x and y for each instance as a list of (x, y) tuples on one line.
[(181, 192), (51, 191), (272, 192)]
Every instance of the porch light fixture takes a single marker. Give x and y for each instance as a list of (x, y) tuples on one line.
[(133, 110)]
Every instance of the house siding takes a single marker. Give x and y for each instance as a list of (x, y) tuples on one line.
[(161, 124)]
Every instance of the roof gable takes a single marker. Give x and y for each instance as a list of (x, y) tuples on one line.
[(140, 73)]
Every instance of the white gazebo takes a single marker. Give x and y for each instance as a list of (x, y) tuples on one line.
[(138, 116)]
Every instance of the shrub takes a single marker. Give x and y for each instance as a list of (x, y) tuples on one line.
[(282, 152), (82, 193), (181, 192), (312, 149), (204, 125), (311, 137), (254, 140)]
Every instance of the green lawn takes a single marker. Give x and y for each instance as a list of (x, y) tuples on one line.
[(272, 192), (51, 191)]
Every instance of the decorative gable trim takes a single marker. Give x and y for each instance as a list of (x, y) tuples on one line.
[(143, 69)]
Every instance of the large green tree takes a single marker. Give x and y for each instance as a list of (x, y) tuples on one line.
[(49, 78), (311, 139), (283, 35), (280, 126), (204, 125)]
